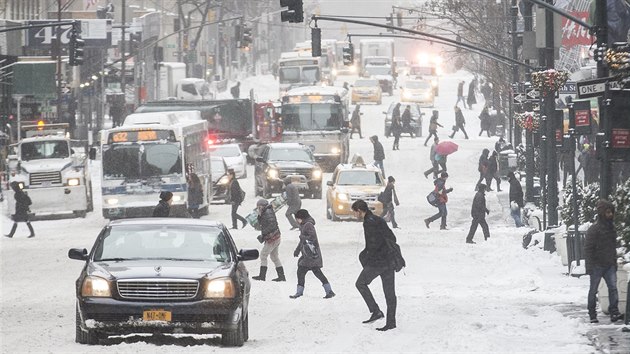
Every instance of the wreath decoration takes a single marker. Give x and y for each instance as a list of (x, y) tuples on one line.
[(549, 81), (529, 121), (618, 62)]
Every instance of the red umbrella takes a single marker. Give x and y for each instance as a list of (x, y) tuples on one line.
[(446, 148)]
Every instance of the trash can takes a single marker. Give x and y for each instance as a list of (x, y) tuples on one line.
[(575, 246), (507, 162)]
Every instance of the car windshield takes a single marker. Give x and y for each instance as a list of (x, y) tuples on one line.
[(141, 160), (171, 242), (424, 85), (361, 178), (422, 70), (366, 83), (283, 154), (225, 151), (45, 150)]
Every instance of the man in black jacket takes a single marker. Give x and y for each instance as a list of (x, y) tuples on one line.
[(236, 199), (478, 213), (375, 259), (389, 198), (516, 199), (379, 153), (270, 236), (600, 256), (163, 208)]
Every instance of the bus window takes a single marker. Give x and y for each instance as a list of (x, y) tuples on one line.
[(290, 75), (310, 75)]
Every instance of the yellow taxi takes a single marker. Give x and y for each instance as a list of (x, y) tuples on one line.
[(351, 182), (419, 91), (366, 90)]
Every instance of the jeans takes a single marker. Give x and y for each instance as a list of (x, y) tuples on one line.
[(442, 212), (379, 164), (516, 215), (461, 98), (388, 279), (610, 277)]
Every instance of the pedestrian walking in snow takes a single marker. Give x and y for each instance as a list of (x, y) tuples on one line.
[(389, 198), (294, 202), (460, 122), (236, 199), (310, 255), (516, 199), (163, 208), (375, 260), (236, 90), (460, 94), (355, 121), (442, 191), (195, 195), (433, 125), (396, 130), (22, 203), (379, 153), (270, 236), (478, 213), (600, 256), (482, 167), (435, 169), (486, 121), (493, 172), (472, 99), (406, 121)]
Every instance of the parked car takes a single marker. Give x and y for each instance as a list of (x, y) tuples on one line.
[(220, 179), (419, 91), (351, 182), (366, 90), (279, 160), (416, 116), (234, 157), (163, 275)]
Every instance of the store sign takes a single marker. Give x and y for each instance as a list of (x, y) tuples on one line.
[(620, 138), (580, 117)]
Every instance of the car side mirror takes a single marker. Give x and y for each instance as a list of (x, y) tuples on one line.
[(247, 254), (260, 159), (330, 183), (78, 253)]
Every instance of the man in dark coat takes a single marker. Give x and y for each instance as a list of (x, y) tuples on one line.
[(379, 153), (440, 188), (460, 122), (22, 203), (312, 261), (236, 199), (294, 203), (471, 99), (600, 256), (355, 121), (236, 90), (389, 198), (478, 213), (460, 94), (493, 171), (270, 236), (406, 121), (516, 199), (163, 209), (375, 259), (482, 166)]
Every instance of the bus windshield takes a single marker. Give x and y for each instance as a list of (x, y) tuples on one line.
[(136, 161), (321, 116)]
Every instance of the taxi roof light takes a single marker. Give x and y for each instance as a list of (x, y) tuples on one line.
[(357, 161)]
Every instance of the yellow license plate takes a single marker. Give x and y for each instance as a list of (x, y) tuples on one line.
[(156, 315)]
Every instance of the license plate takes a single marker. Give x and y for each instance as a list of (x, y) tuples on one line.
[(156, 315)]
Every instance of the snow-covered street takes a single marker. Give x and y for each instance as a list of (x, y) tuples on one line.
[(493, 296)]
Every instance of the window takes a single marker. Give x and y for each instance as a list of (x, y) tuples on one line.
[(361, 178)]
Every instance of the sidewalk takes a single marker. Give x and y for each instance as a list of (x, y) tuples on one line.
[(605, 336)]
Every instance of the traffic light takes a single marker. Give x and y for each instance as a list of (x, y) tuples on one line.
[(294, 13), (390, 22), (316, 41), (399, 19), (598, 54), (76, 46), (246, 37), (348, 54)]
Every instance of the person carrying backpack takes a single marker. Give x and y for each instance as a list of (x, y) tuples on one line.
[(442, 199)]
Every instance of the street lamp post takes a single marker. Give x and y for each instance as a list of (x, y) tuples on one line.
[(550, 111)]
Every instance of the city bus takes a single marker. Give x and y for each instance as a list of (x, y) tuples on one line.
[(297, 69), (151, 153)]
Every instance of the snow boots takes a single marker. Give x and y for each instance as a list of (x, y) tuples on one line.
[(329, 292), (280, 277), (263, 274), (299, 292)]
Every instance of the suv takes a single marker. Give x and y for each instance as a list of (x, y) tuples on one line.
[(280, 160), (416, 118), (351, 182)]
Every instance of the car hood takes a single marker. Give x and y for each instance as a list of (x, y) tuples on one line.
[(233, 160), (291, 164), (44, 165), (158, 269)]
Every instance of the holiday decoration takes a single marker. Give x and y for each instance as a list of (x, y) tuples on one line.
[(618, 61), (549, 81), (529, 121)]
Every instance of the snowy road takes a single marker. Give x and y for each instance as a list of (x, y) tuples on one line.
[(453, 297)]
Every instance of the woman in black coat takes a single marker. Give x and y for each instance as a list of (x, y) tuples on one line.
[(195, 195), (163, 209), (311, 258), (22, 203)]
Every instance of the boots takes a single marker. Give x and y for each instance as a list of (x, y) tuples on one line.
[(280, 277), (263, 274), (30, 228), (329, 292), (299, 292), (12, 230)]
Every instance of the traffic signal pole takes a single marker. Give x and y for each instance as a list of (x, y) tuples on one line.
[(59, 64), (550, 131), (605, 172)]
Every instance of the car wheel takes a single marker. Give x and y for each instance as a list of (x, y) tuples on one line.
[(234, 338), (86, 336), (265, 191)]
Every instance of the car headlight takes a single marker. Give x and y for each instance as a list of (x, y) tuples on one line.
[(95, 287), (434, 83), (111, 201), (334, 71), (272, 173), (353, 68), (317, 174), (224, 180), (177, 198), (342, 196), (220, 288), (427, 95), (74, 181), (407, 94), (335, 150)]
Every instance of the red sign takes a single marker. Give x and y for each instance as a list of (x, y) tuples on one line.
[(582, 118), (559, 135), (620, 138), (574, 34)]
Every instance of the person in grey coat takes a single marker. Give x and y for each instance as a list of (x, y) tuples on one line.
[(478, 213), (294, 203), (309, 260), (270, 236)]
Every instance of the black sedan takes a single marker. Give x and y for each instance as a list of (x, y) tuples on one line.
[(163, 275)]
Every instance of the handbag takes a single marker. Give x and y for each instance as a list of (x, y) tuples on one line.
[(309, 249), (433, 198)]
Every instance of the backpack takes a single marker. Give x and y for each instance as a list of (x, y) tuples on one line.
[(433, 198)]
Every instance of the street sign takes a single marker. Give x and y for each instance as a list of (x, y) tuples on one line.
[(519, 98), (596, 87), (532, 93), (569, 87)]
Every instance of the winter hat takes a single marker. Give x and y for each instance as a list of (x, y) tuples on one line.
[(15, 186), (302, 214), (374, 138), (166, 196), (262, 202), (391, 179), (603, 205)]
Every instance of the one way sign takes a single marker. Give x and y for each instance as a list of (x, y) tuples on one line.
[(519, 98), (532, 93)]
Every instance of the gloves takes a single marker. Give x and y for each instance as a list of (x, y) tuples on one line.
[(296, 253), (449, 190), (260, 238)]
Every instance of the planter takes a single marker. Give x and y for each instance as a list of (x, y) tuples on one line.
[(622, 290)]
